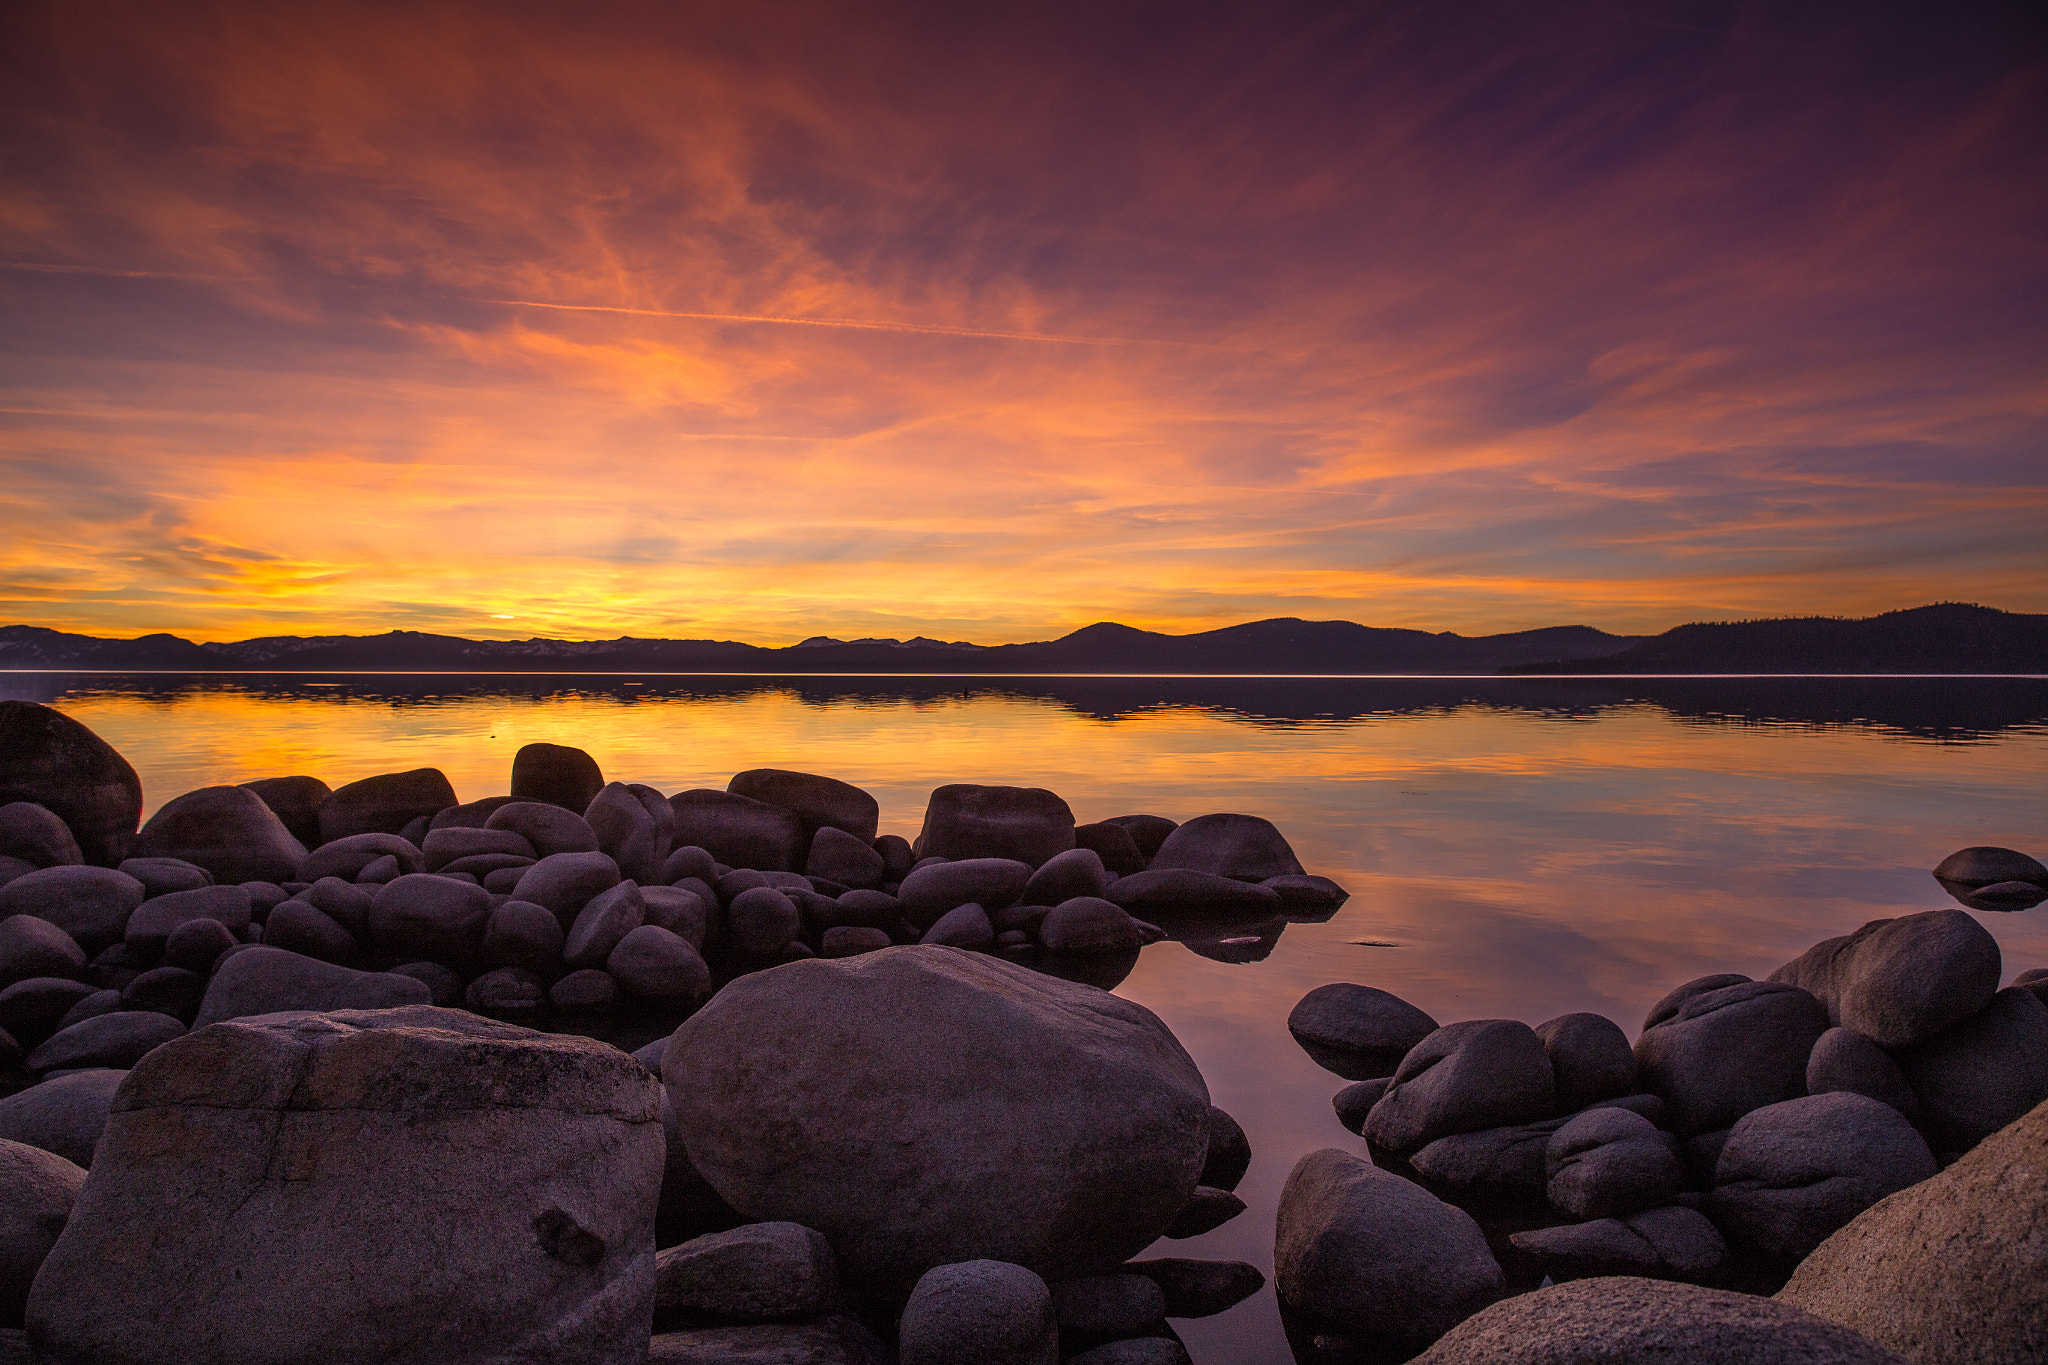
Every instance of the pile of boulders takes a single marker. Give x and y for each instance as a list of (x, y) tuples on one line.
[(567, 903), (1735, 1144)]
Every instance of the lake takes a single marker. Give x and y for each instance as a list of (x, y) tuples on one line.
[(1514, 848)]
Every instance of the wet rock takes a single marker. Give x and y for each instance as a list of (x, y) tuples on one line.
[(984, 1311), (758, 1273), (1793, 1173), (1483, 1073), (759, 922), (229, 831), (1952, 1270), (1590, 1058), (1065, 876), (1165, 891), (1355, 1101), (1901, 981), (1080, 1106), (346, 858), (1844, 1060), (1664, 1243), (1307, 899), (1618, 1320), (162, 876), (652, 963), (740, 831), (173, 991), (1200, 1289), (1113, 845), (1088, 924), (546, 828), (92, 904), (114, 1041), (31, 947), (1027, 824), (51, 760), (384, 804), (626, 827), (1244, 848), (37, 836), (424, 916), (1985, 864), (1101, 1308), (589, 991), (566, 882), (1229, 1154), (1724, 1051), (264, 980), (964, 926), (932, 890), (1206, 1210), (295, 801), (1376, 1258), (683, 913), (819, 802), (602, 924), (455, 843), (1974, 1078), (1374, 1028), (1608, 1162), (410, 1112), (849, 940), (196, 945), (843, 858), (556, 774), (298, 927), (37, 1190)]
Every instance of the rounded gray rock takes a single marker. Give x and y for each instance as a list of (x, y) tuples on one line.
[(1080, 1107), (1608, 1162), (264, 980), (602, 924), (229, 831), (92, 904), (819, 802), (37, 836), (1793, 1173), (37, 1190), (555, 773), (1985, 864), (760, 921), (1724, 1051), (931, 891), (295, 801), (546, 828), (740, 831), (298, 927), (840, 857), (682, 912), (1064, 876), (347, 857), (1482, 1073), (1244, 848), (654, 964), (1590, 1058), (64, 1114), (964, 926), (566, 882), (1973, 1079), (1376, 1026), (50, 759), (384, 804), (1089, 924), (456, 842), (757, 1273), (986, 1311), (1376, 1258), (1845, 1060), (116, 1041), (425, 916), (31, 947), (1027, 824), (1901, 981)]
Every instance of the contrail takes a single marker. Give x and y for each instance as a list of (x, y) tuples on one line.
[(857, 324), (43, 268)]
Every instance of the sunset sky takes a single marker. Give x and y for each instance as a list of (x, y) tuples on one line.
[(758, 320)]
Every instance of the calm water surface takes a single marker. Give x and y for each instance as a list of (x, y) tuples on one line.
[(1514, 849)]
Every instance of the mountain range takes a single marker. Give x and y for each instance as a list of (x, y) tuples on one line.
[(1943, 638)]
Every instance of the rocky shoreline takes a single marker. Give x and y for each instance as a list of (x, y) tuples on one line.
[(586, 1072)]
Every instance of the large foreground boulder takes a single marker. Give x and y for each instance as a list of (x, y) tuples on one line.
[(1952, 1271), (1618, 1320), (1376, 1259), (50, 759), (925, 1105), (305, 1187)]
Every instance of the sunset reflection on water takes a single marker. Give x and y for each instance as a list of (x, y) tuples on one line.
[(1530, 849)]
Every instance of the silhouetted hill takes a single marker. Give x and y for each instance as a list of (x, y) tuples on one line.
[(1948, 637), (1285, 645)]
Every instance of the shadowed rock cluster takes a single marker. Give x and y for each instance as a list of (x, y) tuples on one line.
[(1755, 1133)]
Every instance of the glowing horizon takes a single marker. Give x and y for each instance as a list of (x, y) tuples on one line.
[(765, 322)]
